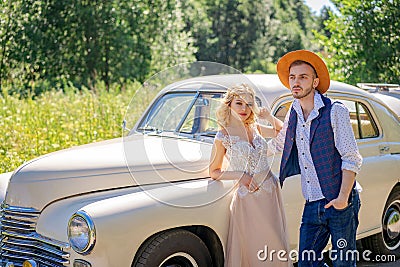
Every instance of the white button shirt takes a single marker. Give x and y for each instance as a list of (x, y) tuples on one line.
[(344, 139)]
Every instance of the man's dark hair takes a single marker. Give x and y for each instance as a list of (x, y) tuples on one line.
[(301, 62)]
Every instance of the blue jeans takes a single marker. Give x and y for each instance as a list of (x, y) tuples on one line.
[(318, 224)]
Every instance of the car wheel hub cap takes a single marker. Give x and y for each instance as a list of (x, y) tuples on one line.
[(394, 224), (391, 226), (180, 259)]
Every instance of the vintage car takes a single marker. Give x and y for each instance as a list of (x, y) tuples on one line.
[(389, 89), (388, 93), (146, 199), (390, 101)]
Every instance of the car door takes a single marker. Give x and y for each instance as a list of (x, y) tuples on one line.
[(371, 143)]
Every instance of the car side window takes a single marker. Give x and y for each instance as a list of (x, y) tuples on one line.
[(202, 116), (283, 110), (361, 120), (367, 125)]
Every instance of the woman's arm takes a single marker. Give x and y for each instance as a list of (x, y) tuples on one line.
[(269, 131), (216, 160)]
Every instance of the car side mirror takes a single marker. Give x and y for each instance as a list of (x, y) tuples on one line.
[(124, 126)]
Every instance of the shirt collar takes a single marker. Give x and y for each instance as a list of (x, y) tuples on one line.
[(318, 103)]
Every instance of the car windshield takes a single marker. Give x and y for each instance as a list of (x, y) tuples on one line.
[(190, 113)]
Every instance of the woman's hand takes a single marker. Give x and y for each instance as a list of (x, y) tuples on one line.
[(268, 131), (264, 113), (247, 181)]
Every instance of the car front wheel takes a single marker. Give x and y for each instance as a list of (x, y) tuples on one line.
[(175, 248), (387, 242)]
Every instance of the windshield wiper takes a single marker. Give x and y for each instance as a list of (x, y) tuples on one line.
[(149, 129), (209, 134)]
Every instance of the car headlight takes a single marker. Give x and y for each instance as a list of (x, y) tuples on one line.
[(81, 232)]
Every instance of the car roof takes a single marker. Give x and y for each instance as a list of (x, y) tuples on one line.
[(268, 86), (266, 83), (391, 101)]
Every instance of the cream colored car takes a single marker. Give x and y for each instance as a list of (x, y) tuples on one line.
[(146, 199)]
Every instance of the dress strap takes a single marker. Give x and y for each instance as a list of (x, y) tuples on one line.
[(256, 129), (220, 136), (224, 138)]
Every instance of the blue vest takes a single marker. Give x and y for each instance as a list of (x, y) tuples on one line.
[(326, 158)]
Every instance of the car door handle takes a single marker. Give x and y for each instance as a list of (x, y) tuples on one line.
[(384, 149)]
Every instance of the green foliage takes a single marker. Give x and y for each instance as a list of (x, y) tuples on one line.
[(57, 120), (88, 41), (172, 45), (364, 45), (47, 44), (321, 21), (66, 66), (248, 35), (293, 30)]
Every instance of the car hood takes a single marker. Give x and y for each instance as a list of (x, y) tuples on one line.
[(118, 163)]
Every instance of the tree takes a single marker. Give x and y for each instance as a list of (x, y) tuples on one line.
[(199, 24), (364, 45), (45, 44), (325, 15), (235, 28), (250, 35), (7, 32), (295, 25), (172, 45)]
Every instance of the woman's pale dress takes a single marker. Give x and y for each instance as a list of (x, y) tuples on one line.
[(257, 223)]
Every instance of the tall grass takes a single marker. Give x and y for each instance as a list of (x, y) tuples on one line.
[(56, 120)]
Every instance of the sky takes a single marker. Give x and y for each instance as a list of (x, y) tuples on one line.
[(316, 5)]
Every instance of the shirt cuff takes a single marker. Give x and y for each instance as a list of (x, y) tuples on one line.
[(350, 167), (273, 146)]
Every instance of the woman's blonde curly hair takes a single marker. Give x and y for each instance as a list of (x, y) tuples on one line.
[(223, 112)]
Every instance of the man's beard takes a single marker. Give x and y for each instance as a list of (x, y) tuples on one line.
[(306, 93)]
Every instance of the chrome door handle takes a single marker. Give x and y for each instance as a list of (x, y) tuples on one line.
[(384, 149)]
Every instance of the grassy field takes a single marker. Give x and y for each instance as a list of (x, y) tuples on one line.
[(56, 120)]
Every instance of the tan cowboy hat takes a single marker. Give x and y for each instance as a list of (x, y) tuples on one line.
[(319, 65)]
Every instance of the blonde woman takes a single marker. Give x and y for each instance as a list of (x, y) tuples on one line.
[(257, 219)]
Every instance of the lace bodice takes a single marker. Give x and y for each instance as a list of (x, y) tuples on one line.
[(250, 158), (243, 156)]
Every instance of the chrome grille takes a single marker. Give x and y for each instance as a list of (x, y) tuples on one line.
[(20, 242)]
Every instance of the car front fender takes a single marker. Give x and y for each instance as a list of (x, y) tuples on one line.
[(124, 221)]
